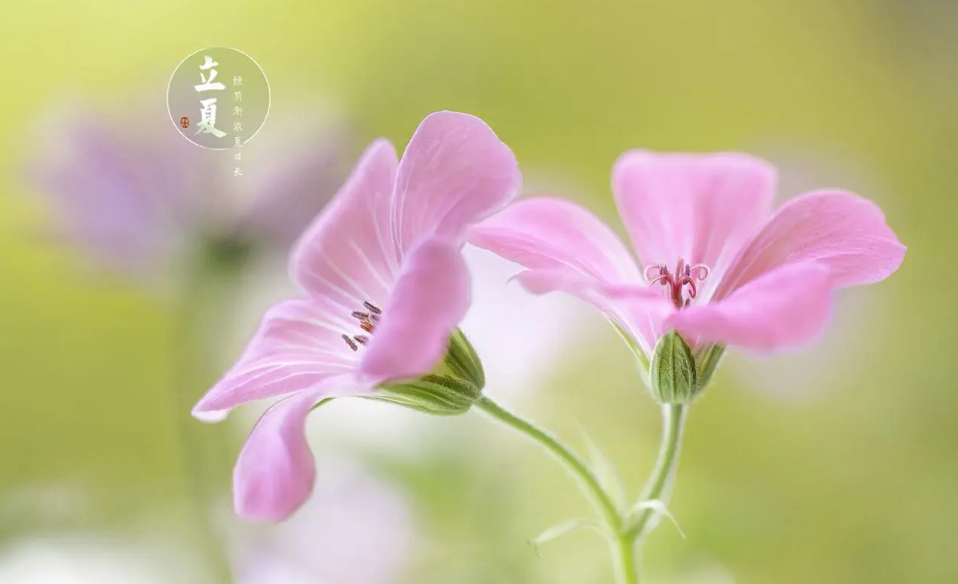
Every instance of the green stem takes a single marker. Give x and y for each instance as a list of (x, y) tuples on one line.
[(624, 560), (626, 534), (660, 483), (622, 549), (205, 281)]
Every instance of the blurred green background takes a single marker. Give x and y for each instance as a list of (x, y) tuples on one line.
[(835, 465)]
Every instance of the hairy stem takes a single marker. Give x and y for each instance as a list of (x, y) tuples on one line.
[(623, 555), (659, 485)]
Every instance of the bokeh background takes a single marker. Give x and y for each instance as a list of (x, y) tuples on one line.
[(833, 465)]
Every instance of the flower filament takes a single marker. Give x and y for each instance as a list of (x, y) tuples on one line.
[(675, 282)]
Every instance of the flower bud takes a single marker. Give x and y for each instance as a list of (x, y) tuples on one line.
[(672, 374), (451, 388)]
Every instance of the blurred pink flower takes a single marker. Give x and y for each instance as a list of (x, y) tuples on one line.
[(132, 194), (719, 267), (356, 529), (383, 258)]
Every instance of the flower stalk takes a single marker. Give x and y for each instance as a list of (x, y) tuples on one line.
[(662, 480), (625, 531), (207, 278), (588, 481)]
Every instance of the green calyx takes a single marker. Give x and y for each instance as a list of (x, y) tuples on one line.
[(676, 374), (450, 389), (672, 372), (707, 360)]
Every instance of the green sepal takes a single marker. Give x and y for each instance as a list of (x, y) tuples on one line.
[(636, 350), (463, 361), (450, 389), (673, 373), (432, 394), (707, 360)]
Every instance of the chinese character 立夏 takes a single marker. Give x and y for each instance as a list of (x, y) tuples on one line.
[(207, 124), (237, 172), (237, 111), (237, 126), (208, 82), (237, 96), (237, 81)]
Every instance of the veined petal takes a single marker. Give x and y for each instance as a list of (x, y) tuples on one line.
[(275, 471), (786, 307), (838, 229), (697, 207), (347, 253), (454, 172), (430, 299), (299, 344), (552, 234)]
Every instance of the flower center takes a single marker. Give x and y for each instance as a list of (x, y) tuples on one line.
[(675, 282), (367, 322)]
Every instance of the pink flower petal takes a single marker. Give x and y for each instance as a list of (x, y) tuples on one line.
[(275, 471), (347, 254), (638, 309), (569, 249), (430, 299), (298, 170), (298, 345), (784, 308), (455, 171), (697, 207), (838, 229), (556, 235)]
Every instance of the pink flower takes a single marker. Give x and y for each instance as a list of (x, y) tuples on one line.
[(715, 264), (386, 286), (356, 529), (137, 198)]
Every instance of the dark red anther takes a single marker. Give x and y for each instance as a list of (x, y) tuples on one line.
[(367, 322), (349, 341)]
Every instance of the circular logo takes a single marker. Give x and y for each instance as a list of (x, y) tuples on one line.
[(218, 98)]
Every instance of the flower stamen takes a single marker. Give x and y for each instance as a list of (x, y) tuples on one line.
[(701, 269), (367, 322), (684, 275), (658, 269), (691, 284), (350, 342)]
